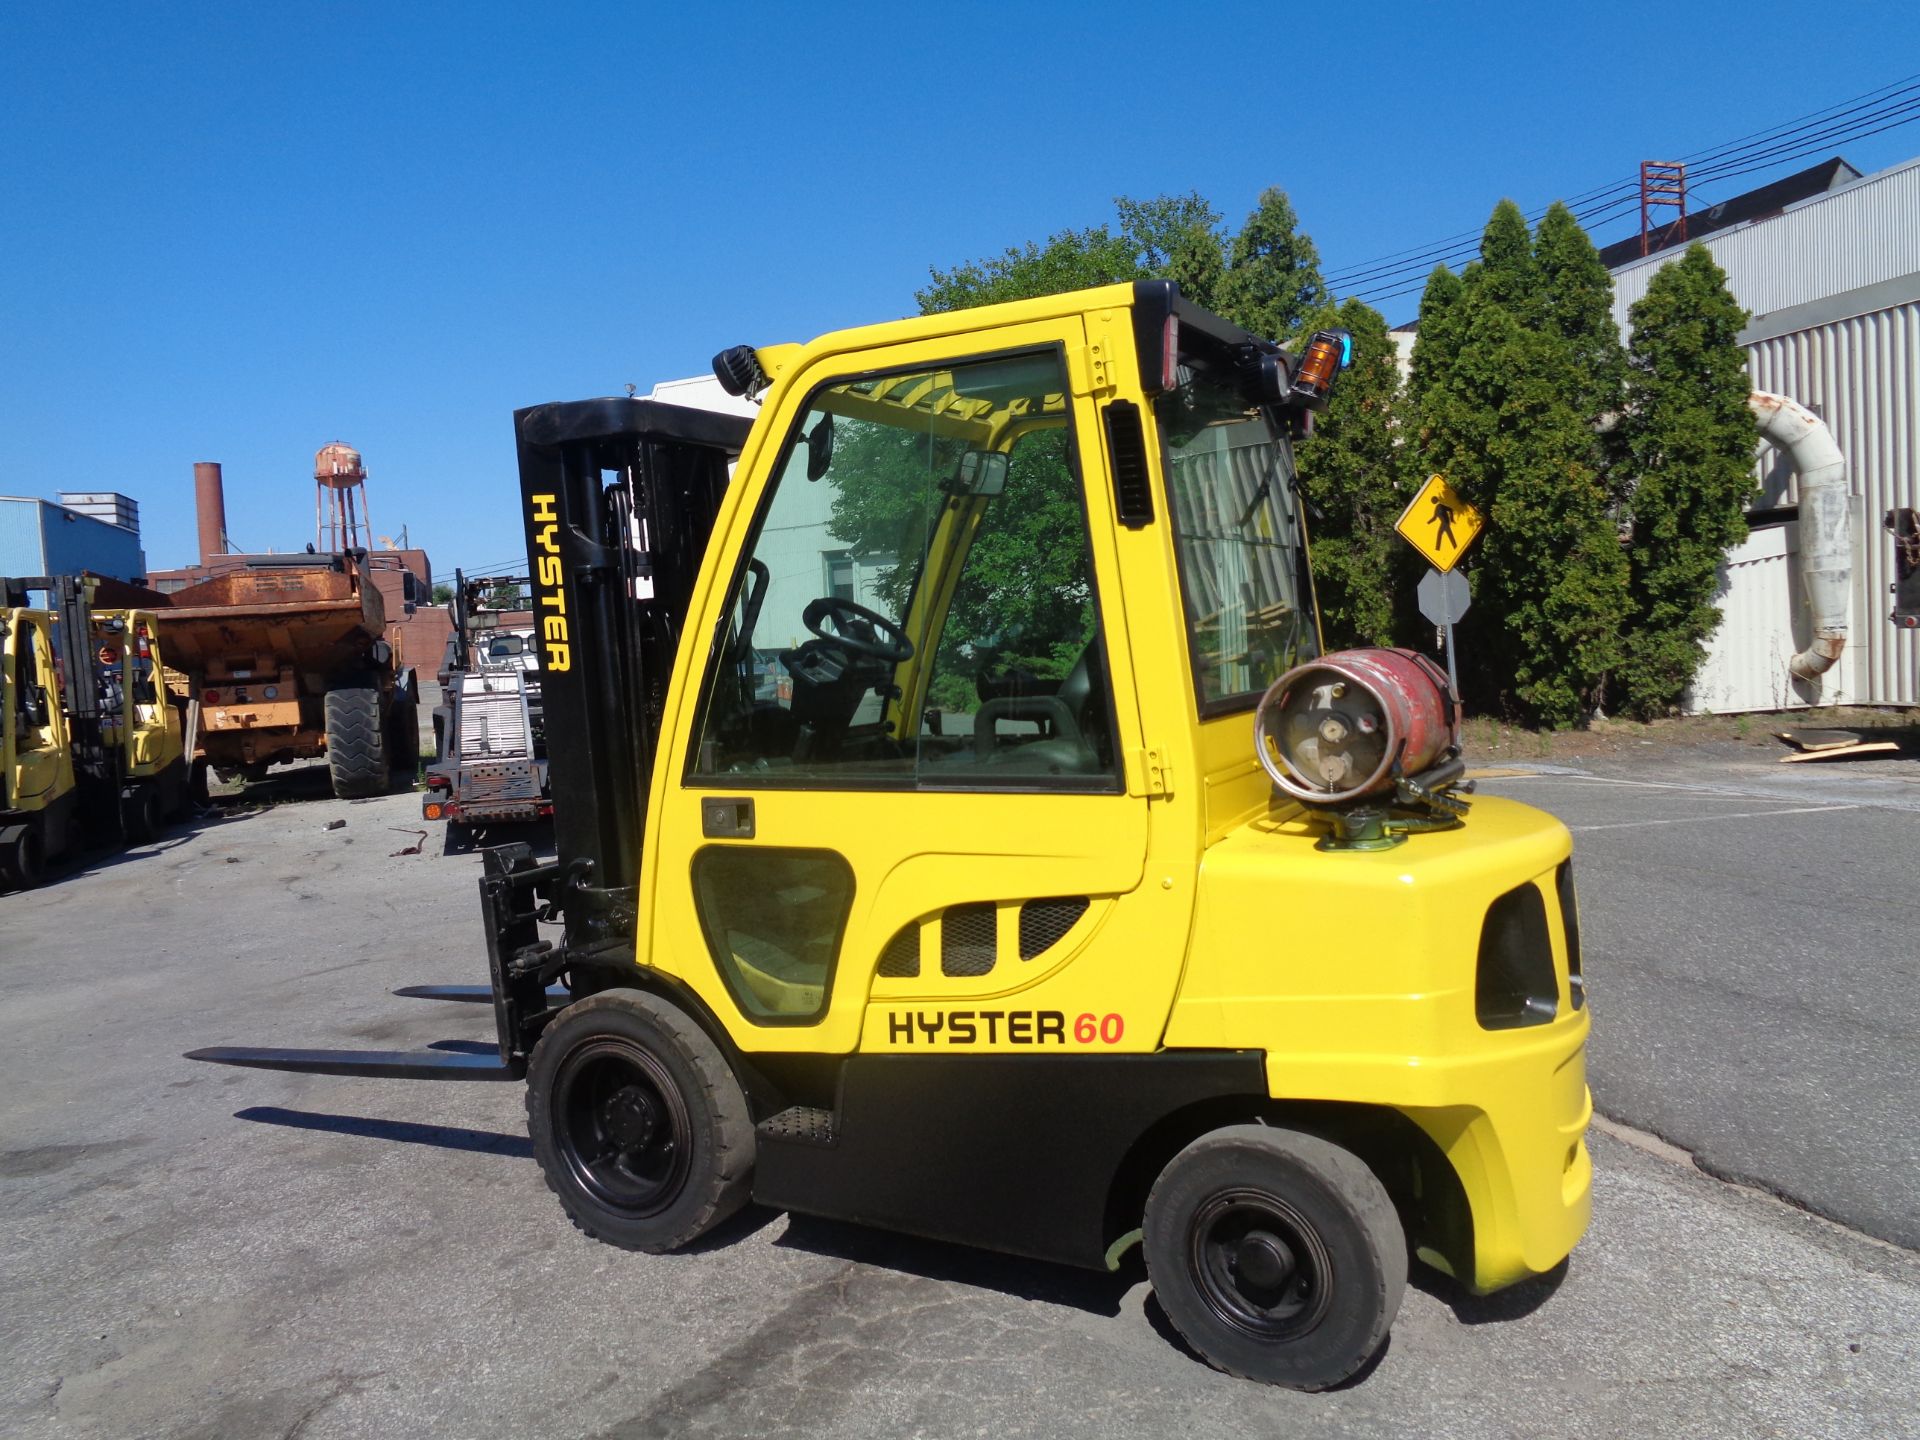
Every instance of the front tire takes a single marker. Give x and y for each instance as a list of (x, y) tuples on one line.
[(638, 1122), (23, 863), (142, 816), (1276, 1255), (356, 742)]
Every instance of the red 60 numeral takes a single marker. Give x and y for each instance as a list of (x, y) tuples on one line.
[(1107, 1029)]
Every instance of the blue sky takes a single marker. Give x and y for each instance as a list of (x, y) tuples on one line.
[(234, 233)]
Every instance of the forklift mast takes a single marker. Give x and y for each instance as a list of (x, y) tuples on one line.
[(67, 598), (619, 496)]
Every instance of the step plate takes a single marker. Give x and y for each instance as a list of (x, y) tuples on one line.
[(802, 1124)]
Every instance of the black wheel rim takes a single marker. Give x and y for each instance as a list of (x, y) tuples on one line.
[(621, 1126), (1259, 1265)]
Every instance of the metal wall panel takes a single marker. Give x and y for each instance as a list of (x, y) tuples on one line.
[(20, 552), (1862, 376), (77, 542), (1862, 234)]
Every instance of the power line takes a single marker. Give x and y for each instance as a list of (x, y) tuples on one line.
[(1897, 103)]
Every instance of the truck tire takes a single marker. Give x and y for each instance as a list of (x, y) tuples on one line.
[(638, 1122), (356, 741), (1277, 1255)]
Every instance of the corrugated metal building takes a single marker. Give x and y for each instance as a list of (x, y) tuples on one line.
[(1834, 286), (38, 537)]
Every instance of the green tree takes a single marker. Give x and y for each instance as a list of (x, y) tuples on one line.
[(1507, 274), (443, 594), (1576, 303), (1687, 441), (1505, 412), (1070, 260), (1272, 281), (1178, 237), (1265, 277), (1352, 470)]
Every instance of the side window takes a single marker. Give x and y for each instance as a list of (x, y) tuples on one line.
[(917, 606), (773, 920)]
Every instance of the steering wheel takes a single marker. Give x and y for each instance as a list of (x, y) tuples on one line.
[(857, 630)]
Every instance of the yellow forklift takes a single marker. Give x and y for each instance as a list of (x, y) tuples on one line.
[(960, 830), (90, 747)]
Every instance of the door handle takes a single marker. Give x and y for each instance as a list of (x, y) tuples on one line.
[(726, 818)]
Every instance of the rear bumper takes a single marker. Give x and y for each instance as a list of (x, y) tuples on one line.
[(1520, 1153)]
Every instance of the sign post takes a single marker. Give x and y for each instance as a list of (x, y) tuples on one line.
[(1441, 525), (1444, 597)]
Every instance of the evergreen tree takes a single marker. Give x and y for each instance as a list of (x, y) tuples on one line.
[(1551, 574), (1687, 439), (1505, 412), (1434, 342), (1272, 282), (1576, 303), (1352, 471), (1506, 271)]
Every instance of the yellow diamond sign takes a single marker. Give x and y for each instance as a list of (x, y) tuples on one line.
[(1439, 524)]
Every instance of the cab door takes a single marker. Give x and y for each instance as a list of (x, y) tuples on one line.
[(38, 761), (903, 807)]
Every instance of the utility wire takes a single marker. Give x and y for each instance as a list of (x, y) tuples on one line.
[(1886, 108)]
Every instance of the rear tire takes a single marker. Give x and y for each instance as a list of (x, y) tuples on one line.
[(1277, 1255), (356, 742), (638, 1122)]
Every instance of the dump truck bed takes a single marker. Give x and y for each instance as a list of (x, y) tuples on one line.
[(311, 617)]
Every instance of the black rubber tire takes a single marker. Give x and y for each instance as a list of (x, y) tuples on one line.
[(403, 721), (356, 742), (23, 864), (199, 790), (141, 814), (1341, 1255), (610, 1045)]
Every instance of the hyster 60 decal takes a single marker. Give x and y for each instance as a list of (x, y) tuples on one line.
[(990, 1027)]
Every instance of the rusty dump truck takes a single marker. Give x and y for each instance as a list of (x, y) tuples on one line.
[(286, 659)]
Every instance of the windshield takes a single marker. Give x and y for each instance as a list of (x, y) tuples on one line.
[(1236, 528), (918, 606)]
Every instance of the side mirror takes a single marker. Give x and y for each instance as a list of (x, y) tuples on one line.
[(980, 472), (820, 448)]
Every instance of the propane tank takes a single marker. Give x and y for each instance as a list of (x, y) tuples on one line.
[(1344, 727)]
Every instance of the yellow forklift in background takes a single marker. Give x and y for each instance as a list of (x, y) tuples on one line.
[(960, 830), (90, 747)]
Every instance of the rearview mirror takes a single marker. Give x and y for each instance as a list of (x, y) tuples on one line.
[(980, 472)]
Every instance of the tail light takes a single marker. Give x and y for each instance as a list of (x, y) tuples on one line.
[(209, 697), (433, 810)]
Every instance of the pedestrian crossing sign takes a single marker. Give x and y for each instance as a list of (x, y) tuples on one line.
[(1439, 524)]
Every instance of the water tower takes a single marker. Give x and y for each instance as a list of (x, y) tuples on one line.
[(340, 499)]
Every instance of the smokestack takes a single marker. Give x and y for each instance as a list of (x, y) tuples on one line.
[(210, 500)]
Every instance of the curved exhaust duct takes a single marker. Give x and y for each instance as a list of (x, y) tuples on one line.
[(1826, 547)]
